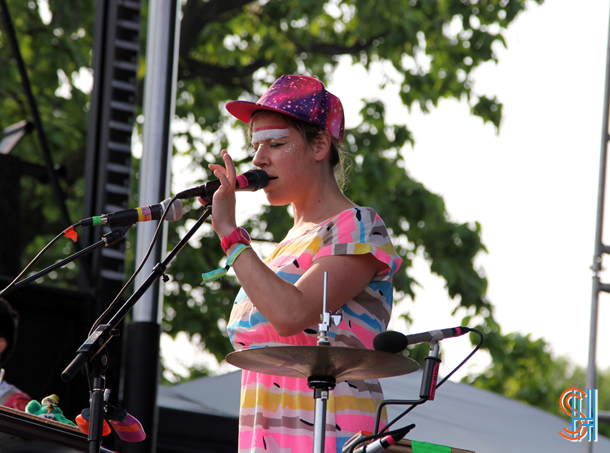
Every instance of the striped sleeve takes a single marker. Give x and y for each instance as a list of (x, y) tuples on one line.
[(359, 231)]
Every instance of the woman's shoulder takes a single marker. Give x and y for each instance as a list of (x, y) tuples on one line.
[(360, 223), (361, 217), (356, 213)]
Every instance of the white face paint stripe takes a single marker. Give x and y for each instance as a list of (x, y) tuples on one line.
[(269, 133)]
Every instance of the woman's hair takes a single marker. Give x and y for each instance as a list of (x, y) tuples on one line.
[(339, 158)]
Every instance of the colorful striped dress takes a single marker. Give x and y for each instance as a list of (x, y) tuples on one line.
[(277, 413)]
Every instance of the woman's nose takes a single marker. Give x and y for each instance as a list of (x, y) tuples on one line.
[(260, 156)]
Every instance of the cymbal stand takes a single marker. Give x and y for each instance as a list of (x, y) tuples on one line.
[(322, 385), (326, 317)]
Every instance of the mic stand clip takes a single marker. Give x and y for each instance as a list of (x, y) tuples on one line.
[(428, 384), (427, 389)]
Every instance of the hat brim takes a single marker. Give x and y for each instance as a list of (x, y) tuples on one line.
[(243, 110)]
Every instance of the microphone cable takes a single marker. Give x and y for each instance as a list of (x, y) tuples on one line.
[(68, 232), (115, 302), (257, 174)]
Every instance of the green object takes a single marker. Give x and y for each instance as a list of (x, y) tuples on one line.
[(425, 447), (49, 409)]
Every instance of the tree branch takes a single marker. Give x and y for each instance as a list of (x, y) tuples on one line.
[(326, 48), (197, 14), (330, 49), (226, 76)]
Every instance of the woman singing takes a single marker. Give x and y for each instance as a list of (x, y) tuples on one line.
[(296, 129)]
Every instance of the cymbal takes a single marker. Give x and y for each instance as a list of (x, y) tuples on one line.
[(328, 361)]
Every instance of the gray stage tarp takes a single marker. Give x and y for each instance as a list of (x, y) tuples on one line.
[(461, 416)]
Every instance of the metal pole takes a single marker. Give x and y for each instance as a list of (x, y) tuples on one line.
[(159, 105), (319, 432), (321, 386), (142, 364), (600, 248)]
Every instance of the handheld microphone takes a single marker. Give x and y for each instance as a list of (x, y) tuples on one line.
[(380, 444), (131, 216), (251, 180), (395, 342)]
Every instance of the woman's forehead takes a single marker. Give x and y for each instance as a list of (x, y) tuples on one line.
[(267, 117), (268, 126)]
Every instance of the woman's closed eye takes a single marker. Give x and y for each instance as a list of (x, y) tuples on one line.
[(272, 144)]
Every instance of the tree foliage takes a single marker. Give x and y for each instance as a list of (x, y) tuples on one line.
[(234, 49), (231, 50), (54, 52)]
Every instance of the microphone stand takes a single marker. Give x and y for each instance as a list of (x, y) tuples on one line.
[(91, 349), (427, 389), (107, 240)]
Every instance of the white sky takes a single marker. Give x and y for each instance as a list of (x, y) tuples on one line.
[(533, 187)]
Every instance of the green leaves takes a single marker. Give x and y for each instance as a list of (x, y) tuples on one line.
[(235, 50), (238, 49), (52, 46), (489, 110)]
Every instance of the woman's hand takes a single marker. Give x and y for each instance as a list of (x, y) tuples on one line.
[(223, 201)]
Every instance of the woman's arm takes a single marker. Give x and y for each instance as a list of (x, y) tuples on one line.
[(290, 308)]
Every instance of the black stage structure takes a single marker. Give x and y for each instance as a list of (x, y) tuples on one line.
[(55, 322)]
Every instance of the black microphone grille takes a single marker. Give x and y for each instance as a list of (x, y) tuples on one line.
[(390, 341)]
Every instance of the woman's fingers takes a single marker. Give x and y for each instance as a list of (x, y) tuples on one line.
[(223, 218), (227, 173), (230, 166)]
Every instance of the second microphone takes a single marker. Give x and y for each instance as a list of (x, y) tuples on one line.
[(142, 214)]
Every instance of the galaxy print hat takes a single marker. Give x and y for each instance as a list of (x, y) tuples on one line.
[(299, 96)]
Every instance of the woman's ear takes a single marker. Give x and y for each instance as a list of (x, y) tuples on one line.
[(321, 146)]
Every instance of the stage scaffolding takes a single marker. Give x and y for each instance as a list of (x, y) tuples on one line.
[(600, 250)]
